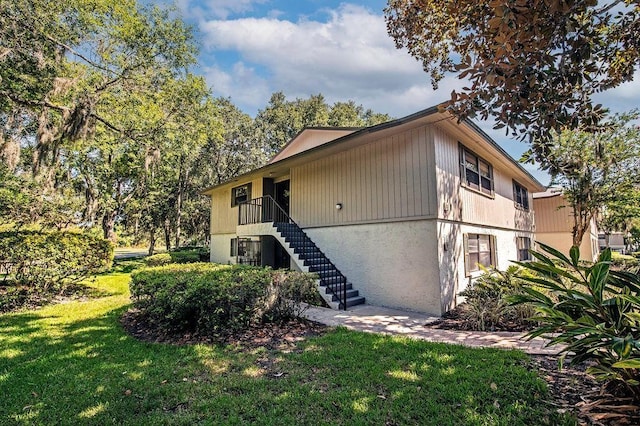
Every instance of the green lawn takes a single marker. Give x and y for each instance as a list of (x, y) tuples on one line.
[(73, 364)]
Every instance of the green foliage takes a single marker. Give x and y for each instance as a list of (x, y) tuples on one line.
[(534, 66), (599, 173), (486, 300), (289, 294), (624, 261), (13, 298), (185, 256), (52, 260), (159, 259), (74, 363), (216, 299), (177, 256), (590, 310), (282, 119)]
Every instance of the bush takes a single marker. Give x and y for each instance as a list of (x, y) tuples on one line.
[(486, 301), (53, 260), (158, 259), (185, 256), (289, 294), (623, 261), (216, 299), (178, 256), (591, 309)]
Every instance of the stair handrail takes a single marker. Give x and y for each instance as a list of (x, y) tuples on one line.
[(259, 204)]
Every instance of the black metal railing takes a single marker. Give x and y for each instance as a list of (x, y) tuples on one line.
[(266, 210), (261, 210)]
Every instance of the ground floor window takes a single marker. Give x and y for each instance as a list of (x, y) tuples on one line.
[(479, 250), (246, 251), (523, 244)]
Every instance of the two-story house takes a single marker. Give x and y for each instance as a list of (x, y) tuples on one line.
[(402, 213)]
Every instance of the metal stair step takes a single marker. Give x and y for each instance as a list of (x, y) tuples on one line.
[(350, 294), (353, 301), (336, 288)]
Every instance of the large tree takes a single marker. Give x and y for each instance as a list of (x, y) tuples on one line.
[(533, 65), (282, 119), (596, 170)]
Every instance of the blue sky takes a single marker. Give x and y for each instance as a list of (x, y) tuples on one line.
[(252, 48)]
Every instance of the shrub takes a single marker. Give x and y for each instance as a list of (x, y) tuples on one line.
[(486, 301), (53, 260), (623, 261), (289, 294), (591, 309), (216, 299), (12, 298), (158, 259), (185, 256)]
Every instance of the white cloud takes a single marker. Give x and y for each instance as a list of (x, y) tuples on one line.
[(350, 56), (242, 84)]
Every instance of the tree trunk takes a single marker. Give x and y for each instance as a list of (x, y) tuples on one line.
[(108, 226), (152, 241), (179, 200), (167, 234)]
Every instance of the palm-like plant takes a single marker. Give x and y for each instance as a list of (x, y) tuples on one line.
[(592, 311)]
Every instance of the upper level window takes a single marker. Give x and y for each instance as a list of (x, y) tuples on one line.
[(240, 194), (475, 172), (520, 196)]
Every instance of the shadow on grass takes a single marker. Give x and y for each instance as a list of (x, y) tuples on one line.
[(56, 370)]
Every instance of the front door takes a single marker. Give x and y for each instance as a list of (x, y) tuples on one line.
[(282, 195)]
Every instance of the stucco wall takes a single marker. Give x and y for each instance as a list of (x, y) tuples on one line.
[(392, 264), (221, 248)]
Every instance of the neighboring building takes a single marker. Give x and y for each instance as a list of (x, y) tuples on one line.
[(404, 211), (554, 225), (613, 240)]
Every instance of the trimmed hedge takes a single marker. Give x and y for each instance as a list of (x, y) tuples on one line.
[(216, 299), (178, 256), (52, 260), (159, 259)]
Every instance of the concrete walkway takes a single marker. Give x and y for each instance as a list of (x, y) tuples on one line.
[(376, 319)]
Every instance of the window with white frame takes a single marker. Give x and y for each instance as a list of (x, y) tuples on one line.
[(479, 250), (475, 172)]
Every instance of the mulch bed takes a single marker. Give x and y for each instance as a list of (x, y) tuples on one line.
[(454, 320), (272, 336)]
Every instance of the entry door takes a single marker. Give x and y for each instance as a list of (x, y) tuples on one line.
[(282, 195)]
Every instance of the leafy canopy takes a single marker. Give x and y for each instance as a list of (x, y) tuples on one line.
[(533, 65)]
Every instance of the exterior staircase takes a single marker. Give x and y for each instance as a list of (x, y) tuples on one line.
[(331, 280), (333, 286)]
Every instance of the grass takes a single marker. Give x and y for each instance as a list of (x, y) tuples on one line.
[(73, 364)]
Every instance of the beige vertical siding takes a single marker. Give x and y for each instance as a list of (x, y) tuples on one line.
[(382, 180), (470, 206), (551, 216), (224, 218)]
